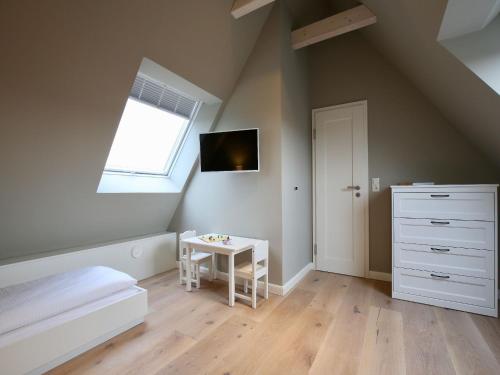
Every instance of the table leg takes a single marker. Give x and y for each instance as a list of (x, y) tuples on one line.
[(188, 268), (231, 279), (214, 266)]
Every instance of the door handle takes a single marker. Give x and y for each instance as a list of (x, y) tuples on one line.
[(437, 249), (439, 276), (440, 222), (355, 187)]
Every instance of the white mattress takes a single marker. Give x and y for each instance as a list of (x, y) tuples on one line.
[(24, 304), (46, 324)]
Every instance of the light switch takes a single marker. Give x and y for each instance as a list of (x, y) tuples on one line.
[(376, 184)]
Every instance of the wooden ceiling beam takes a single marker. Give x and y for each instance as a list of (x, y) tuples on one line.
[(338, 24), (243, 7)]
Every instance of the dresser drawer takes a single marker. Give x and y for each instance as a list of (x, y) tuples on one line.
[(456, 261), (458, 206), (454, 233), (463, 289)]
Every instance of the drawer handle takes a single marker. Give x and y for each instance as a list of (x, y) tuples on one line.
[(440, 222), (440, 195), (440, 276), (436, 249)]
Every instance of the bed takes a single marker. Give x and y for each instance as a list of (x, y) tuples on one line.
[(46, 322)]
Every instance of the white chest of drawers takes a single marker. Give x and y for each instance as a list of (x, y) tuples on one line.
[(445, 246)]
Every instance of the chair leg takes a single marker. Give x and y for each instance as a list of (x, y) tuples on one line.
[(266, 279), (254, 293), (245, 285), (210, 271), (181, 272), (214, 266), (266, 286), (198, 276)]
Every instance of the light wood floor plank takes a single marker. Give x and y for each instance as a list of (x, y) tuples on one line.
[(298, 346), (428, 354), (287, 313), (329, 290), (383, 348), (207, 317), (341, 349), (160, 355), (490, 330), (206, 352), (330, 324), (426, 351), (469, 351)]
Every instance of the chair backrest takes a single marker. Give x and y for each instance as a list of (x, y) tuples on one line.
[(182, 236), (260, 252)]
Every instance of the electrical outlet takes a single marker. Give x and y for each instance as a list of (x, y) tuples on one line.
[(375, 184)]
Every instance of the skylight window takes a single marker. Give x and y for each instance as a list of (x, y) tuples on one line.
[(153, 126)]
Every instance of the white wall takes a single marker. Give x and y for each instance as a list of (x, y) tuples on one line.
[(295, 156), (246, 204), (408, 138), (272, 95), (66, 71)]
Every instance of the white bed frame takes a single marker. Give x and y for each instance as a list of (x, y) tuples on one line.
[(43, 351), (140, 257)]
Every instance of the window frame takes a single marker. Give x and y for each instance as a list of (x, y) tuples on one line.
[(172, 159)]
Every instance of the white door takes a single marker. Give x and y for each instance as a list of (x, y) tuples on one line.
[(341, 188)]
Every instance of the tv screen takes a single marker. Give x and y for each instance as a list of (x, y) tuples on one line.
[(230, 151)]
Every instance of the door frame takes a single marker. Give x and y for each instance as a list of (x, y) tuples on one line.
[(364, 104)]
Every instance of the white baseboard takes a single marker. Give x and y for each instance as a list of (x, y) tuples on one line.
[(292, 283), (375, 275)]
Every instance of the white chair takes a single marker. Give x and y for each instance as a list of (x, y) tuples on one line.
[(197, 258), (253, 271)]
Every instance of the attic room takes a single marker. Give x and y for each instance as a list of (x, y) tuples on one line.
[(249, 187)]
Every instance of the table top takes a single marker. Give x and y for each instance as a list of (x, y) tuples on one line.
[(236, 244)]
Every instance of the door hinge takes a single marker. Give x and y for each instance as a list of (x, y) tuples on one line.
[(314, 133), (315, 249)]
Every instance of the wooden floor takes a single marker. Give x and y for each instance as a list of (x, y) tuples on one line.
[(329, 324)]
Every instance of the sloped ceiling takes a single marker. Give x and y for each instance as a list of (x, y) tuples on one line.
[(304, 12), (406, 34), (480, 52), (464, 17), (66, 69)]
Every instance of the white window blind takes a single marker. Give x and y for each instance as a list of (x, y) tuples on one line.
[(150, 91)]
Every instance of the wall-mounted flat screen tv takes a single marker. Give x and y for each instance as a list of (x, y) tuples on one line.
[(231, 151)]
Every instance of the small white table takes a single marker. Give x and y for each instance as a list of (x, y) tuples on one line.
[(235, 246)]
